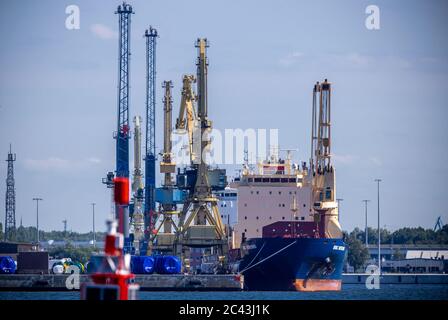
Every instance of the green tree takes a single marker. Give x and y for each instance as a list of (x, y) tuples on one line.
[(404, 235), (28, 234), (357, 252), (69, 251), (1, 232), (441, 236), (397, 255)]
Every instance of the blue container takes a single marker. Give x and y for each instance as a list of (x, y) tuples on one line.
[(142, 264), (7, 265), (135, 264), (170, 196), (147, 264), (171, 265), (94, 263), (158, 263), (167, 264), (186, 179)]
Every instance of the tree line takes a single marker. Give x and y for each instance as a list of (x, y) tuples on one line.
[(405, 235), (29, 234), (358, 253)]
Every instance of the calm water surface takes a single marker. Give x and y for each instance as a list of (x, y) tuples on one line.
[(349, 292)]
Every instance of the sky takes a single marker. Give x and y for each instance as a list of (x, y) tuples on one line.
[(58, 95)]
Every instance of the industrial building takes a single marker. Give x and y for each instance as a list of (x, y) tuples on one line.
[(411, 258), (417, 265), (409, 251)]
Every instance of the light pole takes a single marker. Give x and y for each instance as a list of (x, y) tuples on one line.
[(37, 217), (93, 211), (365, 230), (379, 229), (339, 208)]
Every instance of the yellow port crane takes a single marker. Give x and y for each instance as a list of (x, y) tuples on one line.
[(200, 223), (164, 241)]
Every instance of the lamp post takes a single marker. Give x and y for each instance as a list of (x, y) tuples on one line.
[(37, 217), (366, 230), (93, 224), (379, 229)]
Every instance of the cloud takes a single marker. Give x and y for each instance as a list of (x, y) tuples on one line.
[(59, 164), (358, 59), (47, 164), (345, 61), (345, 158), (291, 58), (94, 160), (103, 32), (376, 161), (350, 159)]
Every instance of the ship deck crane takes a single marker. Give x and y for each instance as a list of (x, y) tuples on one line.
[(322, 173)]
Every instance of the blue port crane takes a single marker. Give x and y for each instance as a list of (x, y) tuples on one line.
[(122, 135), (150, 146)]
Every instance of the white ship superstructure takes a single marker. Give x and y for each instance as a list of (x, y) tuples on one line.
[(279, 191), (228, 205)]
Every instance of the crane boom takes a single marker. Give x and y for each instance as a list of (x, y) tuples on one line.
[(187, 120), (167, 166), (137, 183), (323, 156), (137, 225)]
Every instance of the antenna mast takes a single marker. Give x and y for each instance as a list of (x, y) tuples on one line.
[(10, 216)]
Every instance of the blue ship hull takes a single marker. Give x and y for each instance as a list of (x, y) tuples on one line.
[(303, 264)]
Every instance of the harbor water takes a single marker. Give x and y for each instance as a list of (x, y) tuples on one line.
[(348, 292)]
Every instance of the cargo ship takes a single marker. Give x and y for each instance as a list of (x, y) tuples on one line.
[(287, 235)]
